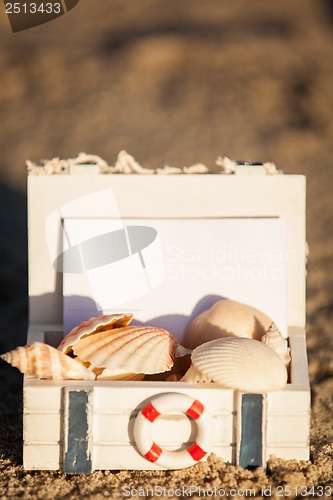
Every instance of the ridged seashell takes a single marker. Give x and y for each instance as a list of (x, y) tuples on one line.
[(133, 349), (107, 374), (275, 340), (238, 363), (46, 362), (226, 318), (92, 326), (194, 376)]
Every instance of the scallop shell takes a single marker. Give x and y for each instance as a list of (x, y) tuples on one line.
[(133, 349), (91, 327), (239, 363), (46, 362), (274, 339), (107, 374), (226, 318)]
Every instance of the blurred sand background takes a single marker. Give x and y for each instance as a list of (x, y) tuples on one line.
[(174, 82)]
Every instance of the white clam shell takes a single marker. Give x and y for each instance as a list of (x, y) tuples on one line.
[(226, 318), (132, 349), (275, 340), (46, 362), (194, 376), (92, 326), (240, 364)]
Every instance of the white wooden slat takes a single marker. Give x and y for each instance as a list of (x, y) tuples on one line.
[(299, 366), (287, 429), (40, 396), (172, 430), (119, 457), (288, 402), (288, 411), (117, 396), (41, 428), (295, 398), (41, 457), (218, 193), (289, 452)]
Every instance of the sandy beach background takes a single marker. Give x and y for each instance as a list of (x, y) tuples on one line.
[(174, 82)]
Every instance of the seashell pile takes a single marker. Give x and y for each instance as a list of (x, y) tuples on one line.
[(237, 363), (102, 348), (226, 350)]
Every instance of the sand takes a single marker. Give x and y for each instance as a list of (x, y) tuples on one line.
[(176, 82)]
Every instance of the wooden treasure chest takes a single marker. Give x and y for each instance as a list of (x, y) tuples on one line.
[(163, 248)]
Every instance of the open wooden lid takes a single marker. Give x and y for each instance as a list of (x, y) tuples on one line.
[(191, 239)]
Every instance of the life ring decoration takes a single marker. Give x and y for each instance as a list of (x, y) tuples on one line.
[(182, 457)]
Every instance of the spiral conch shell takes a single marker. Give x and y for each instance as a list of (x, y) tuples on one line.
[(46, 362), (237, 363), (92, 326), (132, 349), (226, 318), (274, 339)]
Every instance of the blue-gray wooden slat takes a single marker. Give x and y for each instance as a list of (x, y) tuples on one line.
[(77, 455), (251, 442)]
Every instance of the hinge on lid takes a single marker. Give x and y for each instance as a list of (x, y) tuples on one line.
[(246, 167)]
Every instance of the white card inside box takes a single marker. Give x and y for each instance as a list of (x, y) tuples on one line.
[(171, 270)]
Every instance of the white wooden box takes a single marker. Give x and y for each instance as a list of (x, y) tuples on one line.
[(204, 237)]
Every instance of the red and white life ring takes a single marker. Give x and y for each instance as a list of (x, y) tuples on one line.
[(175, 459)]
